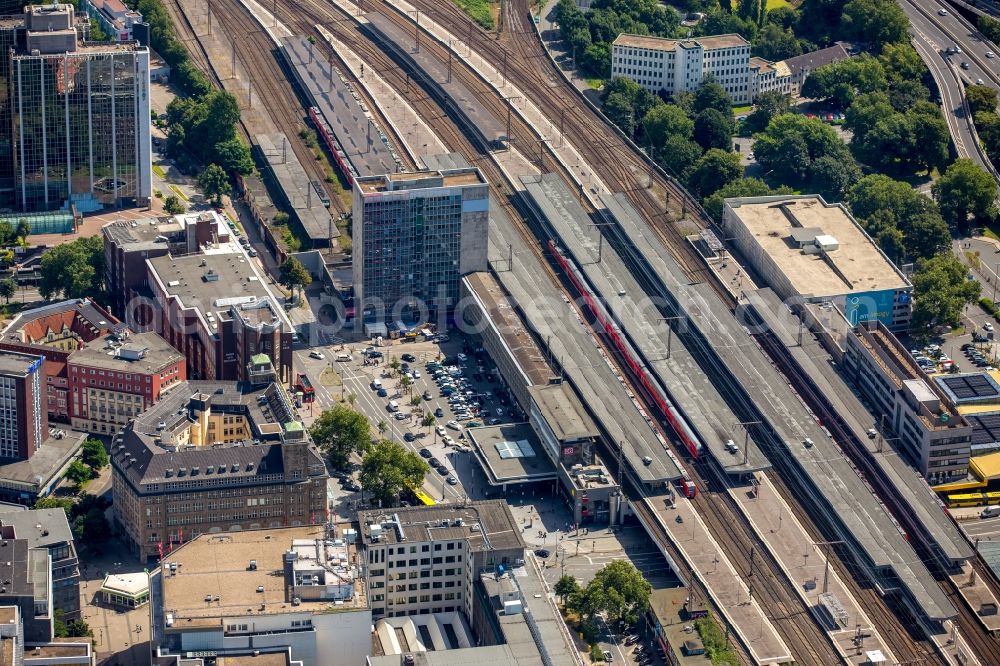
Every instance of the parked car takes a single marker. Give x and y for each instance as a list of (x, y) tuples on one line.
[(409, 358), (440, 431), (316, 354), (439, 412), (434, 462), (442, 470), (424, 453), (452, 481), (454, 425)]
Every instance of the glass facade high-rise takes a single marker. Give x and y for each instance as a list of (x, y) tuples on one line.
[(415, 234), (79, 118)]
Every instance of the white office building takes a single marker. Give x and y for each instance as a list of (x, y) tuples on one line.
[(683, 65)]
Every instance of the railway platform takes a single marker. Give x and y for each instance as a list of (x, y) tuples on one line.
[(417, 138), (724, 584), (545, 126), (979, 597), (804, 564)]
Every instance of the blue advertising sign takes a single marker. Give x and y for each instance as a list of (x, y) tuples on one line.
[(870, 305)]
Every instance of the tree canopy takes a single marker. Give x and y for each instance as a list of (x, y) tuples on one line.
[(741, 187), (965, 189), (713, 170), (214, 183), (941, 289), (340, 431), (73, 270), (618, 592), (906, 224), (841, 82), (94, 454), (388, 468), (792, 146), (294, 275)]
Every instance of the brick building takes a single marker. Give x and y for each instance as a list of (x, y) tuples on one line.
[(119, 379), (214, 456), (56, 331)]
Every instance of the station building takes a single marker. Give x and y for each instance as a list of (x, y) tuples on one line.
[(929, 429), (676, 66), (415, 235), (214, 456), (810, 251)]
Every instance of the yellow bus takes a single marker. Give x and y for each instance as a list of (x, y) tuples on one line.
[(966, 499), (422, 497)]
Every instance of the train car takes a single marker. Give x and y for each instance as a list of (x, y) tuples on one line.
[(966, 499), (687, 487), (629, 354), (332, 145)]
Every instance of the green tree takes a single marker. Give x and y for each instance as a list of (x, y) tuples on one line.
[(875, 22), (388, 468), (565, 587), (965, 189), (981, 98), (711, 95), (741, 187), (234, 156), (842, 81), (280, 218), (768, 105), (94, 455), (618, 592), (926, 235), (774, 43), (293, 275), (63, 503), (7, 236), (831, 177), (904, 222), (91, 528), (941, 289), (79, 473), (172, 205), (713, 170), (619, 110), (990, 27), (901, 62), (214, 184), (666, 120), (791, 145), (428, 420), (678, 154), (23, 229), (340, 431), (8, 287), (73, 270), (713, 129)]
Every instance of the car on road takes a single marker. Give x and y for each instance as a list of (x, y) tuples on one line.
[(608, 656), (442, 470), (990, 54), (454, 425), (440, 431), (252, 252), (351, 486), (427, 395), (409, 436), (979, 82), (409, 358), (987, 326), (382, 393), (434, 462), (632, 640), (425, 452), (415, 374), (452, 481), (316, 354), (448, 441), (494, 421), (439, 412), (542, 553), (964, 65)]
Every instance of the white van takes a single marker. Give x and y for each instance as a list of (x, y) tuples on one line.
[(990, 512), (344, 357), (376, 384), (393, 406)]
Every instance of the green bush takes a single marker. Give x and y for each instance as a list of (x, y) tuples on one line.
[(989, 306), (596, 653)]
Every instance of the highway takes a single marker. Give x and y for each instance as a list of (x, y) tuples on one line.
[(931, 41)]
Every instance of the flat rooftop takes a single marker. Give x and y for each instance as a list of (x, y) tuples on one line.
[(41, 469), (218, 566), (59, 647), (547, 631), (421, 180), (213, 283), (857, 265), (14, 363), (663, 44), (502, 315), (366, 147), (297, 187), (563, 412), (261, 659), (143, 353), (511, 453), (484, 524)]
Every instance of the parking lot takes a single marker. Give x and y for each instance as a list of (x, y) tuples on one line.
[(447, 380)]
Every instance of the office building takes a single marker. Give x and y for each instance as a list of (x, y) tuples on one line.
[(908, 408), (212, 456), (118, 377), (80, 118), (425, 560), (14, 650), (808, 250), (27, 584), (129, 243), (415, 235), (767, 76), (49, 529), (114, 18), (675, 66), (262, 596), (23, 418)]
